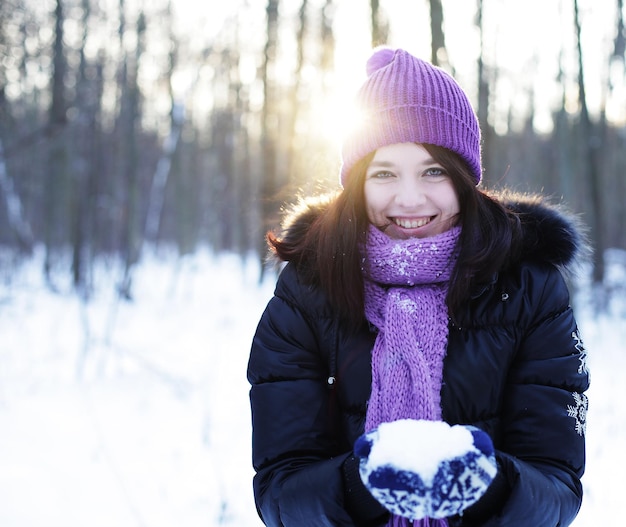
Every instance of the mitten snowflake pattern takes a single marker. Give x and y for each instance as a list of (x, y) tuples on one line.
[(418, 469)]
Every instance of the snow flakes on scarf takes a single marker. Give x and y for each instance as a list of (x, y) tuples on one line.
[(394, 262)]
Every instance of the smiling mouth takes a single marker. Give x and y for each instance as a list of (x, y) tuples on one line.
[(414, 223)]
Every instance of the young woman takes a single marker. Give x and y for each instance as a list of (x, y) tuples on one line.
[(415, 309)]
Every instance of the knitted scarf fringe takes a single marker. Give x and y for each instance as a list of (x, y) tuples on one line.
[(399, 521)]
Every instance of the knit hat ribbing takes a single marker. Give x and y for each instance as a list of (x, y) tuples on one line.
[(405, 99)]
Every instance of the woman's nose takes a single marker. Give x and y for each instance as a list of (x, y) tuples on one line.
[(410, 193)]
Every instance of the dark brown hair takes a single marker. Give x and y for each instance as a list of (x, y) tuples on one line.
[(322, 237)]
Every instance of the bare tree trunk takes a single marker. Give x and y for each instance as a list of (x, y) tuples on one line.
[(15, 212), (18, 223), (269, 125), (157, 190), (295, 92), (380, 27), (56, 181), (328, 38), (80, 205), (617, 144), (240, 184), (482, 110), (58, 105), (591, 144), (130, 122), (562, 140), (170, 145), (619, 48), (438, 53)]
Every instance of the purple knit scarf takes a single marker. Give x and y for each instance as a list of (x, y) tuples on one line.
[(406, 282)]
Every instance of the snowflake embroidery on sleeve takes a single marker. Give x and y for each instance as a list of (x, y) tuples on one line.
[(583, 368), (579, 412)]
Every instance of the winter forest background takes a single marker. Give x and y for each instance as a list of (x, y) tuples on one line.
[(146, 146)]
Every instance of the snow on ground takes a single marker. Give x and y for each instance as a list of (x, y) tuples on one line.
[(135, 413)]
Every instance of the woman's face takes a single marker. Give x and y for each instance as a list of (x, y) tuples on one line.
[(408, 194)]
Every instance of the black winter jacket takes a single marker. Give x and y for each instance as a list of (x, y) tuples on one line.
[(515, 367)]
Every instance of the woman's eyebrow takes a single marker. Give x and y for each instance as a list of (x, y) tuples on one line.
[(381, 164)]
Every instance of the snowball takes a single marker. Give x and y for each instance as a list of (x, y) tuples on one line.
[(401, 444)]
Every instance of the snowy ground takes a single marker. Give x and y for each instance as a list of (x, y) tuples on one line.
[(135, 414)]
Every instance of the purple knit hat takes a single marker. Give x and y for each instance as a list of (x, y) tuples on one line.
[(405, 99)]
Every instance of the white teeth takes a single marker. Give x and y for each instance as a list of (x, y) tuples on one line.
[(411, 224)]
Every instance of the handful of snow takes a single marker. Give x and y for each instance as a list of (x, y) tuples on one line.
[(426, 469)]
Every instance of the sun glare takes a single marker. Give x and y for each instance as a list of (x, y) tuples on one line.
[(337, 117), (331, 114)]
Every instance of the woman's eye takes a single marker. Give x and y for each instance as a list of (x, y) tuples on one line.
[(383, 174), (435, 172)]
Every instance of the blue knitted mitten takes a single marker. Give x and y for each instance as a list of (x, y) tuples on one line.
[(426, 469)]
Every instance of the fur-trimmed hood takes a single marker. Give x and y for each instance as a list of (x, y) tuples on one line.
[(551, 234)]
